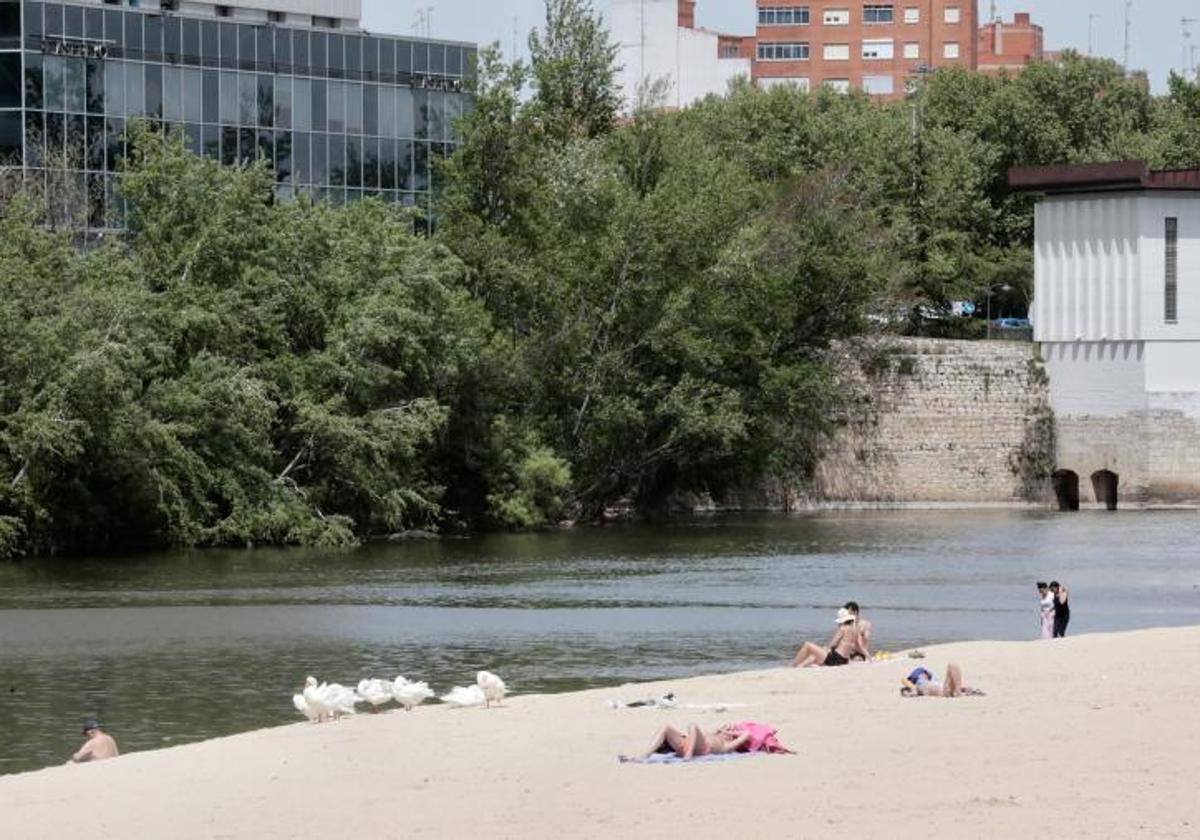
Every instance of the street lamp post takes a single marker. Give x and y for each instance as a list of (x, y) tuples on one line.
[(1004, 287)]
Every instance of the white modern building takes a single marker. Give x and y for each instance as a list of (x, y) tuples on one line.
[(658, 41), (329, 14), (1117, 315)]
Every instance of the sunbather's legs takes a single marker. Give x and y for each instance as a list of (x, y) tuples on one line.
[(953, 683), (671, 737), (809, 655), (696, 743)]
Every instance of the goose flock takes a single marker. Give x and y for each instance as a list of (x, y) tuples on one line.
[(320, 701)]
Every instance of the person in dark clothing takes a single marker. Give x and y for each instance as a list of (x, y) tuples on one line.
[(1062, 609)]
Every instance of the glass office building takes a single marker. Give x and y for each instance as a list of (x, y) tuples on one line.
[(340, 114)]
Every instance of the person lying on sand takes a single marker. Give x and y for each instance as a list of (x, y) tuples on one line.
[(921, 683), (842, 647), (695, 742)]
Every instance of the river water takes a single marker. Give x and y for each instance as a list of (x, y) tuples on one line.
[(173, 648)]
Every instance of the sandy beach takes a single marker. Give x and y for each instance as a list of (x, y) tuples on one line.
[(1095, 734)]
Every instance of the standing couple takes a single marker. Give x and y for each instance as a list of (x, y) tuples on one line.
[(850, 641), (1056, 610)]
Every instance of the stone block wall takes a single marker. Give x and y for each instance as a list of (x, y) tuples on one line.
[(935, 421)]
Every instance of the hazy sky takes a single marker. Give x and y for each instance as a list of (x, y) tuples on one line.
[(1157, 42)]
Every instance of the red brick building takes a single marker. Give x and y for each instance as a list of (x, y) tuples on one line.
[(877, 47), (1009, 47)]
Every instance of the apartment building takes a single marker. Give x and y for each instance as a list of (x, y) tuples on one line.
[(1008, 47), (876, 47)]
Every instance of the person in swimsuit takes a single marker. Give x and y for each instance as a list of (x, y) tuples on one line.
[(1062, 609), (841, 649), (695, 742), (864, 633), (97, 744), (921, 683), (1047, 610)]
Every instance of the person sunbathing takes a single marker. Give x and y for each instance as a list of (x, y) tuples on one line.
[(921, 683), (842, 647), (695, 742)]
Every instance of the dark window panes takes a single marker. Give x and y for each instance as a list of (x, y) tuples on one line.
[(154, 90), (302, 105), (95, 87), (420, 180), (210, 42), (191, 41), (387, 60), (320, 120), (54, 20), (75, 85), (283, 157), (354, 107), (114, 204), (335, 108), (229, 98), (370, 174), (246, 42), (266, 47), (387, 111), (370, 58), (247, 98), (229, 45), (56, 134), (337, 160), (387, 163), (133, 34), (283, 49), (336, 59), (300, 57), (247, 145), (33, 19), (154, 36), (172, 38), (354, 59), (420, 114), (404, 58), (210, 141), (229, 145), (404, 164), (12, 85), (96, 143), (354, 161), (114, 135), (93, 24), (405, 121), (35, 139), (95, 200), (301, 173), (420, 58), (114, 28), (52, 82), (283, 102), (193, 95), (212, 96), (454, 61), (135, 89), (76, 148), (319, 53), (437, 59), (371, 109), (114, 87), (34, 92), (266, 146), (73, 23), (319, 173), (191, 133), (266, 100), (470, 63)]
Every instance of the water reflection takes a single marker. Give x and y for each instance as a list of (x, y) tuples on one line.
[(172, 648)]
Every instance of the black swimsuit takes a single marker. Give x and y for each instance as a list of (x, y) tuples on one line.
[(835, 658), (1062, 617)]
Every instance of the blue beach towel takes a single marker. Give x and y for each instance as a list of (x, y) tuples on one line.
[(671, 758)]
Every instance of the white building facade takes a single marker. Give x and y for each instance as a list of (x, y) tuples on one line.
[(1116, 312), (329, 14), (658, 41)]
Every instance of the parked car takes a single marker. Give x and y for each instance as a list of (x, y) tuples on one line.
[(1011, 324)]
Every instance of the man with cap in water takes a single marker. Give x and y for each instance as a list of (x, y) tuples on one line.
[(97, 744)]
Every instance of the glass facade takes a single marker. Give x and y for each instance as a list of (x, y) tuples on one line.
[(339, 114)]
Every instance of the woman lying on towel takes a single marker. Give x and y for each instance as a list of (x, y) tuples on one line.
[(747, 736), (921, 683)]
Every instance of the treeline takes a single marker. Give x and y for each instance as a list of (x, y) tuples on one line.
[(609, 310)]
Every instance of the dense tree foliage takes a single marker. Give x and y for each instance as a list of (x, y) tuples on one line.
[(609, 311)]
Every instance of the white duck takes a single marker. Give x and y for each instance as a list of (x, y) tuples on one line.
[(314, 698), (460, 697), (374, 692), (303, 708), (492, 686), (340, 699), (410, 694)]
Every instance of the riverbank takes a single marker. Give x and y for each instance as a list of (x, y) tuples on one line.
[(1094, 732)]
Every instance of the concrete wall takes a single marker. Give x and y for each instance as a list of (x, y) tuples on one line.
[(939, 421)]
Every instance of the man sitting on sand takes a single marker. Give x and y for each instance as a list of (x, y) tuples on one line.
[(864, 633), (97, 744), (920, 683), (842, 647), (695, 742)]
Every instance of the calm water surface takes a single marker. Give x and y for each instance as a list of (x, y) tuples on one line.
[(167, 649)]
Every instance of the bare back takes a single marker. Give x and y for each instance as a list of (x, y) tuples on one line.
[(97, 748)]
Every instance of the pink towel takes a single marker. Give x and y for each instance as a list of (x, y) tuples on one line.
[(762, 736)]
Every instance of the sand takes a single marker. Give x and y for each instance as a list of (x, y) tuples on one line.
[(1092, 736)]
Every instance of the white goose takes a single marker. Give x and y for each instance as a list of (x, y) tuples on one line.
[(303, 708), (374, 692), (314, 697), (410, 694), (461, 697), (340, 699), (492, 686)]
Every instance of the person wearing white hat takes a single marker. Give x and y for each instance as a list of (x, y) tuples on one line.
[(840, 649)]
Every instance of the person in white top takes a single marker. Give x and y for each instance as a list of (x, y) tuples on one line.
[(1047, 609)]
